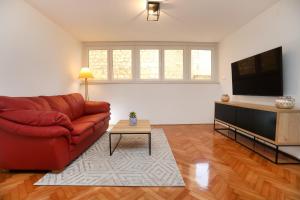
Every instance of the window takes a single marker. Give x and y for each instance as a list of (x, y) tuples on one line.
[(122, 64), (149, 64), (200, 64), (98, 63), (173, 64)]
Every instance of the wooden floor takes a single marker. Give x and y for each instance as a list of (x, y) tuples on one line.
[(213, 167)]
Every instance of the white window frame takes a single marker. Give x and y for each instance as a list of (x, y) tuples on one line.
[(138, 63), (132, 63), (213, 61), (86, 60), (135, 48), (185, 62)]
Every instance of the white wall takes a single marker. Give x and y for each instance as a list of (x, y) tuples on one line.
[(277, 26), (36, 56), (161, 103)]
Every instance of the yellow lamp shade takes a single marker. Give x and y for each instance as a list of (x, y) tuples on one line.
[(85, 72)]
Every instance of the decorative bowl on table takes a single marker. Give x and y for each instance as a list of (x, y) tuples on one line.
[(286, 102), (225, 98)]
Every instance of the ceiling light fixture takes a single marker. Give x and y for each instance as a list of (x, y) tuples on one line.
[(153, 10)]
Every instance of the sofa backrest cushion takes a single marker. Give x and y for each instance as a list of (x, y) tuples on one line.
[(40, 101), (57, 103), (24, 103), (76, 103)]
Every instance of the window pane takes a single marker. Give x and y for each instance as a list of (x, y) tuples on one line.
[(173, 60), (149, 64), (122, 61), (98, 64), (201, 64)]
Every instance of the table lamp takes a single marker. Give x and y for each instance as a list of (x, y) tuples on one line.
[(86, 73)]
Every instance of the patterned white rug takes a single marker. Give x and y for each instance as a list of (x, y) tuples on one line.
[(130, 164)]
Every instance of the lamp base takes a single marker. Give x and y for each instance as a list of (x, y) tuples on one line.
[(86, 89)]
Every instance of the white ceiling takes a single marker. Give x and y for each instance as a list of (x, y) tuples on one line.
[(125, 20)]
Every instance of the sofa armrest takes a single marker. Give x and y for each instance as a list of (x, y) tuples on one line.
[(33, 131), (94, 107), (37, 118)]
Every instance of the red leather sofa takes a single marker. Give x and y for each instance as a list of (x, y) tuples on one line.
[(48, 132)]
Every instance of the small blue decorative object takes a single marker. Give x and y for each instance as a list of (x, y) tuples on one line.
[(133, 121)]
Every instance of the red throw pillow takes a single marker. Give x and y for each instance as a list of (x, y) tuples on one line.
[(38, 118)]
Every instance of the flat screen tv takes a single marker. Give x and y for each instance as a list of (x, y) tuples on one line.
[(259, 75)]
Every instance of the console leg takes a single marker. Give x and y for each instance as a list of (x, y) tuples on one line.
[(234, 134), (214, 124), (276, 155)]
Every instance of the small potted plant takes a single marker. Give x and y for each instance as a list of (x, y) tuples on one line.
[(132, 119)]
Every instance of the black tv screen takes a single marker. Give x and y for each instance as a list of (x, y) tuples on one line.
[(259, 75)]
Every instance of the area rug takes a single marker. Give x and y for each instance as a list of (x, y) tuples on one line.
[(130, 164)]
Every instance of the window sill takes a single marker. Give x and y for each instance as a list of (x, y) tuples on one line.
[(95, 82)]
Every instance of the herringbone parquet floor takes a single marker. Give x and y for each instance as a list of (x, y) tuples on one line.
[(213, 167)]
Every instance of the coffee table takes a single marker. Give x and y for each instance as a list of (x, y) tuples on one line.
[(123, 128)]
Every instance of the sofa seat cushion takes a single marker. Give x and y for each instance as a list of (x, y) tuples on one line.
[(58, 103), (79, 128), (76, 103), (98, 126), (85, 130), (96, 118)]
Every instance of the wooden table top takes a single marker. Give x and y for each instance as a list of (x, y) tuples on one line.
[(142, 126)]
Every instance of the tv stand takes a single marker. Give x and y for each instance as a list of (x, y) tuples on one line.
[(261, 126)]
